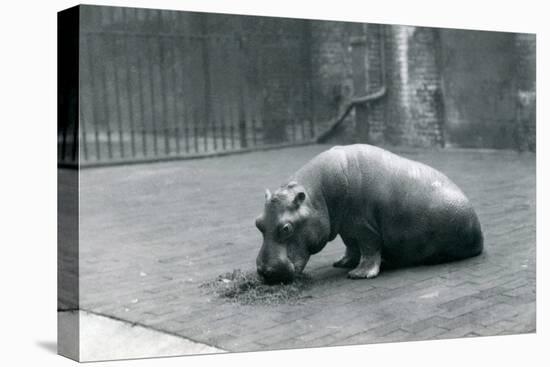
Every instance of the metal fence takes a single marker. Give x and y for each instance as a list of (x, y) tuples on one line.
[(156, 95)]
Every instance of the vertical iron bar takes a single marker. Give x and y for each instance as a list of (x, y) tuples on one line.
[(93, 91), (175, 79), (231, 124), (258, 101), (233, 63), (252, 114), (206, 122), (223, 95), (186, 70), (82, 140), (215, 97), (222, 121), (141, 102), (195, 127), (81, 116), (220, 88), (118, 101), (206, 70), (254, 139), (242, 123), (151, 76), (106, 111), (294, 129), (83, 135), (75, 137), (85, 54), (163, 90), (213, 123), (64, 124), (129, 88), (233, 66), (241, 89), (292, 114), (307, 62), (303, 123)]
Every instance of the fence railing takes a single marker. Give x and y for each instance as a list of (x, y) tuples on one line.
[(152, 96)]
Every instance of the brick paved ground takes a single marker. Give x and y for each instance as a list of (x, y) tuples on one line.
[(151, 234)]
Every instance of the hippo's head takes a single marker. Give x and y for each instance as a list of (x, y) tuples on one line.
[(289, 232)]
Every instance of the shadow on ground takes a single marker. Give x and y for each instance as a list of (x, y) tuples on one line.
[(49, 346)]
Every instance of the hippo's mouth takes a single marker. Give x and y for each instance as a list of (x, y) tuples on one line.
[(277, 274), (283, 277), (277, 279), (281, 263)]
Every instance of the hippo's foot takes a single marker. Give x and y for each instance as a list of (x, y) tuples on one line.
[(367, 268), (346, 262)]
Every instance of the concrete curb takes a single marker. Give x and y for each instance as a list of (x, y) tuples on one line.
[(103, 338)]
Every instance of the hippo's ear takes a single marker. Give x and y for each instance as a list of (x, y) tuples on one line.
[(260, 223), (299, 198), (267, 194)]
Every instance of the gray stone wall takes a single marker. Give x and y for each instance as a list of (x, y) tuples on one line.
[(414, 105), (526, 90)]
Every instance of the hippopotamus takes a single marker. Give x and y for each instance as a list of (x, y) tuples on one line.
[(388, 210)]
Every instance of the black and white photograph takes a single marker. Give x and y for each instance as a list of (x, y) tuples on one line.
[(264, 184), (236, 183)]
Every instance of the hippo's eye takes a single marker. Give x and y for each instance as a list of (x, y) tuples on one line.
[(287, 229)]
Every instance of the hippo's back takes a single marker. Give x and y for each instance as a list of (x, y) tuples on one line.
[(421, 215)]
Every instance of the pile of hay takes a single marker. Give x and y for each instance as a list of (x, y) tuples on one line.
[(248, 289)]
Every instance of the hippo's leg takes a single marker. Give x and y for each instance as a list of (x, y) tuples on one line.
[(351, 257), (369, 263)]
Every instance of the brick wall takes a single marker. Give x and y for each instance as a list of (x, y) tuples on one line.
[(478, 70), (375, 34), (526, 90), (332, 76), (331, 73), (411, 113), (414, 105)]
